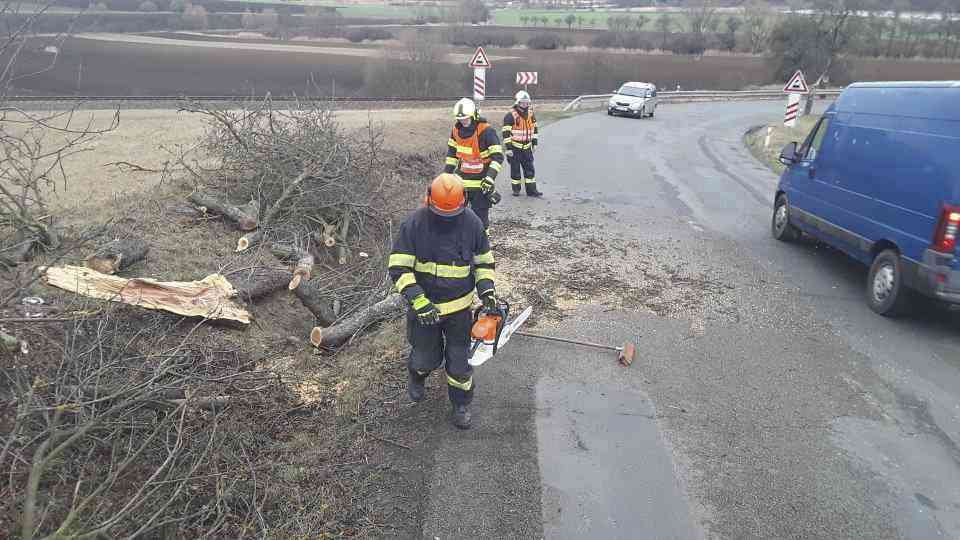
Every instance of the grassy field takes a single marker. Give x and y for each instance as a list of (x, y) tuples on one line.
[(779, 137)]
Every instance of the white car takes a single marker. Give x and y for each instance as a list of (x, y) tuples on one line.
[(637, 99)]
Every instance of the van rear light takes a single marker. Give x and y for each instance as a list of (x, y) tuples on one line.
[(945, 239)]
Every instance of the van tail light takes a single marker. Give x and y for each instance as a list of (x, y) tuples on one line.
[(945, 239)]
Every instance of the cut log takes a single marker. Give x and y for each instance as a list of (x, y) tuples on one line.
[(334, 336), (313, 299), (302, 271), (210, 298), (258, 282), (249, 240), (303, 258), (117, 255), (243, 217)]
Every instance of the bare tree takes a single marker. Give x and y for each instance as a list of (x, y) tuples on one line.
[(664, 24), (33, 147), (758, 21)]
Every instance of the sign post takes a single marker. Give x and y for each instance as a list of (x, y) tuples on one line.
[(796, 87), (480, 64)]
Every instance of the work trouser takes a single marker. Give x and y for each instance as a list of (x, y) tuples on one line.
[(480, 204), (522, 171), (448, 341)]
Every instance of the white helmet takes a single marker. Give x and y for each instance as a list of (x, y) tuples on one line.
[(465, 108), (522, 98)]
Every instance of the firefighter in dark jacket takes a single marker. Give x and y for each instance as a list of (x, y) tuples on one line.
[(441, 256), (474, 153), (520, 135)]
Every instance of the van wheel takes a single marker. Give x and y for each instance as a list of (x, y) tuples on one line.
[(609, 112), (643, 112), (886, 293), (781, 227)]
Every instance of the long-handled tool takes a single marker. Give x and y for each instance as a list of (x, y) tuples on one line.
[(625, 354)]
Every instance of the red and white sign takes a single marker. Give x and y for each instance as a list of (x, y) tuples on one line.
[(479, 84), (797, 84), (526, 77), (793, 111), (480, 60)]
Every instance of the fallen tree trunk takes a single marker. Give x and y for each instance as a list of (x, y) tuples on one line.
[(117, 255), (210, 298), (388, 308), (246, 217), (312, 299), (258, 282)]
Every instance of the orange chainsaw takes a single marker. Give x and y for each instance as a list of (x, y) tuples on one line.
[(491, 331)]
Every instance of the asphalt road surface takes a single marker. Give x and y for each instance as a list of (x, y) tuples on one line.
[(775, 405)]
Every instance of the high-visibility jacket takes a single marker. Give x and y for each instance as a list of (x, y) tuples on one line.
[(442, 260), (520, 130), (474, 153)]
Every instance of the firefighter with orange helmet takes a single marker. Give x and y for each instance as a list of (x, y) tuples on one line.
[(474, 153), (520, 134), (441, 257)]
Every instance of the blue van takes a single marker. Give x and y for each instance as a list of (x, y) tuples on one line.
[(879, 178)]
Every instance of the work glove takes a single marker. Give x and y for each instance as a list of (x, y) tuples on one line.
[(427, 314), (494, 198), (487, 185), (509, 153)]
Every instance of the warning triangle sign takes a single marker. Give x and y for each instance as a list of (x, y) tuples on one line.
[(797, 84), (480, 59)]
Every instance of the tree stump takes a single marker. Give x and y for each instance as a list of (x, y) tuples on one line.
[(117, 255)]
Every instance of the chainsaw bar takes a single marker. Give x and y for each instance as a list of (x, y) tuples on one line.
[(483, 352)]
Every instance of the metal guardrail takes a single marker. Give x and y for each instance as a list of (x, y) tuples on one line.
[(238, 98), (705, 95), (574, 104)]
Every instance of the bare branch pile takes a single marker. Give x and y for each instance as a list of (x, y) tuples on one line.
[(129, 437), (304, 191)]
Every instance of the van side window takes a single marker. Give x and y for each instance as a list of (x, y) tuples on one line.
[(812, 147)]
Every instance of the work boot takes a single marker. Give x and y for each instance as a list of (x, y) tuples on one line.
[(534, 193), (461, 416), (415, 387), (516, 191)]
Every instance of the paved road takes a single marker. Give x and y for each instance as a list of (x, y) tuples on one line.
[(774, 405)]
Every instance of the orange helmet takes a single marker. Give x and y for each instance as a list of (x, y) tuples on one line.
[(445, 195)]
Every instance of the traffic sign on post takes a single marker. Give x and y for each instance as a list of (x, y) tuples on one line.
[(479, 84), (793, 111), (480, 64), (797, 84), (480, 60), (526, 77)]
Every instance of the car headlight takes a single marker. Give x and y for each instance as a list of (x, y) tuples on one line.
[(635, 105), (611, 104)]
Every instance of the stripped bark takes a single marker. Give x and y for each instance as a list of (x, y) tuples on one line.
[(117, 255), (245, 217), (210, 297), (390, 307)]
